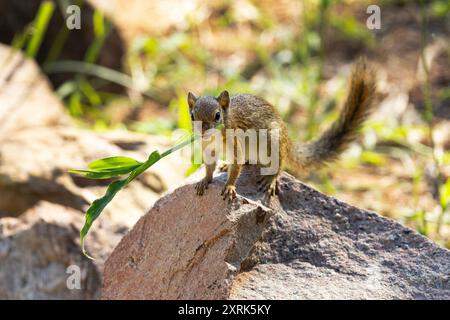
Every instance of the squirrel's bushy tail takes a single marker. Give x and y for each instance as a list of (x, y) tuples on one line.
[(334, 141)]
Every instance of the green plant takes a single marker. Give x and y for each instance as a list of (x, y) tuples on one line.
[(114, 167), (40, 24), (86, 68), (33, 33)]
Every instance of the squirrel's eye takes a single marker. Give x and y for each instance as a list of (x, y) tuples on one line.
[(192, 116), (217, 118)]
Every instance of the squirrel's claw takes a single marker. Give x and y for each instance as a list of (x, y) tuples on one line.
[(268, 185), (229, 192), (201, 186)]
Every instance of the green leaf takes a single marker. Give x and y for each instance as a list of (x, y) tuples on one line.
[(101, 31), (103, 174), (194, 167), (90, 69), (113, 163), (445, 195), (184, 118), (41, 21), (90, 93), (99, 23), (66, 89), (21, 38), (108, 167), (372, 158), (75, 106), (98, 205)]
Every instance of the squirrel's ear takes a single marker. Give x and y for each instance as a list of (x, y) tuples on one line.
[(191, 100), (224, 99)]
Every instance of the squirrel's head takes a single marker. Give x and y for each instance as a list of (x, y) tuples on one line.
[(209, 110)]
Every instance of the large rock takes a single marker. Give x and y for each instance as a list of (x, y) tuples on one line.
[(36, 252), (308, 246), (26, 97)]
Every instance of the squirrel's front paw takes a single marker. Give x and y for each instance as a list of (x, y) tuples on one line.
[(201, 186), (229, 192)]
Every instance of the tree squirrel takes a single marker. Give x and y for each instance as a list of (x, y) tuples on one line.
[(245, 111)]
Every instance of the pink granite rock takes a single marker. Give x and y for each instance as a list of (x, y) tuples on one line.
[(308, 246)]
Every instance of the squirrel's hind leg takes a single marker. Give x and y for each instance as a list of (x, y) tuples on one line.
[(269, 185)]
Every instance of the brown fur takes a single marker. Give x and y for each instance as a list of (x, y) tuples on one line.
[(333, 142), (245, 111)]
